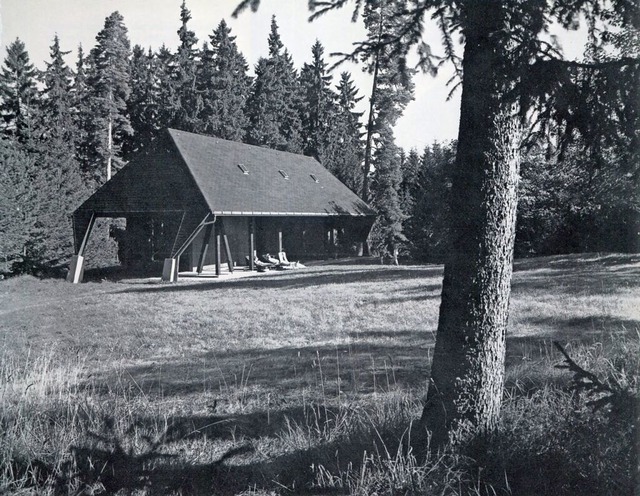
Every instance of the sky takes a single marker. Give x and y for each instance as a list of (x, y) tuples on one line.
[(150, 23)]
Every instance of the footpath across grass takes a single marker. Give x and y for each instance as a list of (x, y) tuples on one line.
[(305, 382)]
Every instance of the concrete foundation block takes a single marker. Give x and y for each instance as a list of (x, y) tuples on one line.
[(76, 269), (170, 270)]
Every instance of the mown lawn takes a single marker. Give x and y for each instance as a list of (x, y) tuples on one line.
[(275, 383)]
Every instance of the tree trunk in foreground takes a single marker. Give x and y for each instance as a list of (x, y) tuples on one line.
[(467, 372)]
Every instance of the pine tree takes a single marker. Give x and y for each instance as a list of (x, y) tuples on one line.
[(56, 113), (387, 234), (409, 186), (83, 118), (143, 105), (428, 226), (18, 95), (225, 86), (166, 89), (187, 101), (318, 106), (18, 202), (343, 151), (507, 62), (108, 80), (274, 104), (392, 88)]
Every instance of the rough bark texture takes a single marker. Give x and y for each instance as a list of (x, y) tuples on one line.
[(467, 371)]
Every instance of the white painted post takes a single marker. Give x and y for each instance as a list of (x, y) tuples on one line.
[(76, 269), (170, 270)]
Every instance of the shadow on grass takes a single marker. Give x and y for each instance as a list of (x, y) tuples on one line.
[(575, 274), (238, 467), (157, 474), (577, 261), (281, 374), (303, 278)]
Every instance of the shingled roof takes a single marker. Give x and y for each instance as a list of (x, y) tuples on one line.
[(189, 171)]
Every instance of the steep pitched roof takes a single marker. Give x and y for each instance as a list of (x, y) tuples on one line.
[(238, 178), (185, 170)]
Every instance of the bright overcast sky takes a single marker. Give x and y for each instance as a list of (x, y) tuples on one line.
[(153, 22)]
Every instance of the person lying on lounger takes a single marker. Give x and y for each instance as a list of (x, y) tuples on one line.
[(267, 258), (284, 262)]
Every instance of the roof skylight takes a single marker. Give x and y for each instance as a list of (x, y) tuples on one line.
[(283, 174), (315, 179), (243, 168)]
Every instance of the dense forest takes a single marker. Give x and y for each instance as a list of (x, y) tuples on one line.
[(66, 130)]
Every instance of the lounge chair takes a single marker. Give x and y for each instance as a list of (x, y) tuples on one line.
[(259, 264), (284, 262)]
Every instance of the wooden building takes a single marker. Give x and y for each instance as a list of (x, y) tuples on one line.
[(193, 200)]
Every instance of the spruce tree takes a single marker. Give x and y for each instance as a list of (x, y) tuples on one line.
[(57, 178), (56, 113), (225, 86), (409, 186), (508, 70), (186, 104), (392, 88), (18, 202), (387, 234), (108, 80), (428, 226), (83, 118), (143, 105), (18, 95), (275, 100), (318, 106), (343, 150), (166, 88)]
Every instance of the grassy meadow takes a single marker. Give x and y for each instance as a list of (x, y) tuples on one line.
[(306, 382)]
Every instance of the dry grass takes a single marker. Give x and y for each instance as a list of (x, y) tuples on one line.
[(286, 382)]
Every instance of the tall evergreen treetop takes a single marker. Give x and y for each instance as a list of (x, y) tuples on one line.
[(187, 103), (17, 91), (108, 80), (225, 86), (274, 41), (319, 102), (58, 115), (274, 105)]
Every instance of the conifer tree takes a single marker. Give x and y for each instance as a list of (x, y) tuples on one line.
[(187, 102), (83, 118), (18, 95), (18, 201), (428, 226), (225, 86), (392, 88), (508, 70), (409, 186), (56, 113), (165, 69), (318, 106), (108, 80), (274, 103), (343, 151), (143, 105), (387, 234)]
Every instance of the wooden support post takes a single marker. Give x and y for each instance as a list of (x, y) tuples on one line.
[(334, 247), (218, 254), (76, 266), (228, 252), (280, 246), (85, 239), (205, 247), (76, 269), (170, 269), (252, 243)]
